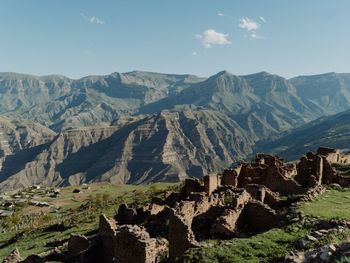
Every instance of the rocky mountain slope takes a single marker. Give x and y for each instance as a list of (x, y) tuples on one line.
[(331, 131), (263, 104), (164, 127), (329, 91), (17, 135), (62, 103), (168, 146)]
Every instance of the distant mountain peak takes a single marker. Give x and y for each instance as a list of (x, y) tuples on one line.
[(261, 74), (223, 73)]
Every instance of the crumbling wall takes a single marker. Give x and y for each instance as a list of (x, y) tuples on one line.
[(272, 176), (211, 183), (310, 170), (126, 243), (226, 224), (263, 194), (106, 233), (190, 186), (126, 215), (134, 245), (229, 177), (315, 170), (181, 237), (277, 182), (334, 156), (260, 217)]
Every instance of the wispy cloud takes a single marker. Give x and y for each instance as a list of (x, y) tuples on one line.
[(194, 53), (248, 24), (96, 20), (211, 37), (262, 19), (93, 19), (221, 14), (251, 26)]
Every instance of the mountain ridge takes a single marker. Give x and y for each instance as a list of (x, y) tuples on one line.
[(139, 127)]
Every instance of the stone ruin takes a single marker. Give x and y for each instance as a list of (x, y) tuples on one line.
[(239, 202)]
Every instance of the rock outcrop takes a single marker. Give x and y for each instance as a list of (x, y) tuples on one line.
[(169, 146)]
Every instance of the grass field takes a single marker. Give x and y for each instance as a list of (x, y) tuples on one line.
[(266, 247), (74, 213), (331, 204)]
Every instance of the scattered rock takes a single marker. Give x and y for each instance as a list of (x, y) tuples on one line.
[(294, 257)]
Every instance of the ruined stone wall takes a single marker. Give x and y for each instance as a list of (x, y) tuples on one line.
[(310, 170), (126, 243), (134, 245), (334, 156), (181, 236), (260, 217), (276, 182), (263, 194), (270, 176), (226, 224), (190, 186), (229, 177), (106, 233), (211, 183), (269, 160)]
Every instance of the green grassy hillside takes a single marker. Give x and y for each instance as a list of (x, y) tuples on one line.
[(35, 229)]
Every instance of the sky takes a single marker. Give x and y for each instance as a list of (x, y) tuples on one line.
[(76, 38)]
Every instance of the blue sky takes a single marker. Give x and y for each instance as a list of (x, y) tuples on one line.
[(82, 37)]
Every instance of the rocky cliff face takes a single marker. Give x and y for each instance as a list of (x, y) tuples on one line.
[(331, 131), (164, 127), (165, 147), (329, 92), (61, 103), (263, 104), (17, 135)]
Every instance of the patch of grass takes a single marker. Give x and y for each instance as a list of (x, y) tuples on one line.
[(270, 246), (344, 260), (331, 204), (78, 213)]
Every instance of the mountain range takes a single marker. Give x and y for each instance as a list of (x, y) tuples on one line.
[(141, 127)]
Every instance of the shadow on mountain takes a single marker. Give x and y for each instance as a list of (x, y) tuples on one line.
[(17, 162), (87, 157)]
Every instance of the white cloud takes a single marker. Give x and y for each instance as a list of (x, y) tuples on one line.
[(211, 37), (194, 53), (220, 14), (248, 24), (251, 26), (262, 19), (96, 20), (93, 19)]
